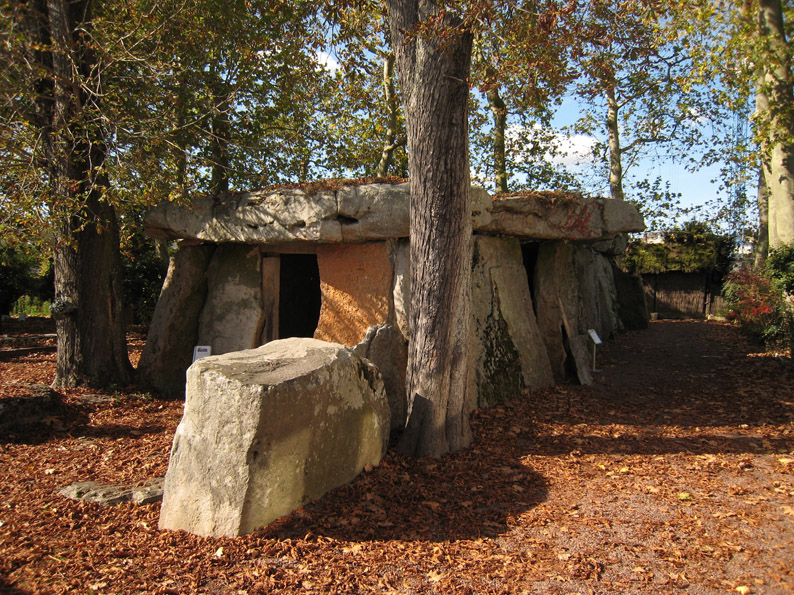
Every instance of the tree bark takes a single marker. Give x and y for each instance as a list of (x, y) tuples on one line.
[(434, 71), (390, 143), (761, 247), (615, 153), (499, 111), (91, 338), (775, 110), (219, 135)]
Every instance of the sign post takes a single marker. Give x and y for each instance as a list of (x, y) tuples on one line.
[(596, 341)]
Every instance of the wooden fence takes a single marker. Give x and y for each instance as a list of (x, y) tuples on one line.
[(683, 295)]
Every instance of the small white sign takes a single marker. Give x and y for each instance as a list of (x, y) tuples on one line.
[(200, 351), (594, 336)]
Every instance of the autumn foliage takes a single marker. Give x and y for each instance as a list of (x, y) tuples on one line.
[(758, 303), (673, 473)]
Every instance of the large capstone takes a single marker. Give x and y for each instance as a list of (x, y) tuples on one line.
[(265, 430), (376, 212)]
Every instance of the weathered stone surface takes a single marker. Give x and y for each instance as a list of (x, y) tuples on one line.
[(612, 246), (507, 349), (373, 212), (556, 295), (42, 402), (621, 217), (597, 293), (265, 430), (232, 316), (356, 286), (378, 212), (401, 286), (562, 218), (174, 328), (263, 217), (385, 346), (632, 309), (481, 206), (149, 492)]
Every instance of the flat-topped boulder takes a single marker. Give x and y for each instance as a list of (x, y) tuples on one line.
[(379, 211), (267, 429)]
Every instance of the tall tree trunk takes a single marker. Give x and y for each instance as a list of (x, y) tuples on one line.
[(91, 340), (499, 111), (219, 132), (391, 141), (761, 247), (775, 109), (615, 154), (434, 73), (219, 148), (163, 256)]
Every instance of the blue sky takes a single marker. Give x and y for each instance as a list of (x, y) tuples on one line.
[(695, 188)]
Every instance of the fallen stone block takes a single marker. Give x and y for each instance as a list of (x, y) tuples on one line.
[(266, 430), (109, 494)]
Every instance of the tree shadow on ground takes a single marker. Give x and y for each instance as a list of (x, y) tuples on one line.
[(8, 589), (37, 418), (53, 416), (470, 494), (680, 386)]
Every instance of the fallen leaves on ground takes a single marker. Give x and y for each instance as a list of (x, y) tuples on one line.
[(673, 472)]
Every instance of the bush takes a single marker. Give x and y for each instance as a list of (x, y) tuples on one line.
[(23, 274), (757, 302), (30, 306), (780, 264), (143, 279)]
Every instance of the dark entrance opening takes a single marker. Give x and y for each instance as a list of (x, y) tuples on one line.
[(299, 295), (529, 253)]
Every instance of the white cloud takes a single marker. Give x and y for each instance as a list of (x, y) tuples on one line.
[(574, 149), (568, 150), (327, 61)]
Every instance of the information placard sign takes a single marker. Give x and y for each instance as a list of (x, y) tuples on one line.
[(200, 351)]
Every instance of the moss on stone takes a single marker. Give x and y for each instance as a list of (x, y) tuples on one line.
[(501, 364)]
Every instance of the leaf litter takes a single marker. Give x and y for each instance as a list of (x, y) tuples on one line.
[(672, 473)]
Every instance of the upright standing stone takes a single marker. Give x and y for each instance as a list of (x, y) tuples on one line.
[(385, 346), (632, 309), (267, 429), (401, 286), (507, 348), (232, 314), (356, 286), (556, 294), (597, 293), (174, 328)]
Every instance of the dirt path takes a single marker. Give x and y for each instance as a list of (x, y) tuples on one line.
[(674, 473)]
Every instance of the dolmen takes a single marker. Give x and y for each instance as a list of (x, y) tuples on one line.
[(284, 285)]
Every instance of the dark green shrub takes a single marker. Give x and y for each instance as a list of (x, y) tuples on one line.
[(23, 274), (780, 265), (143, 278)]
